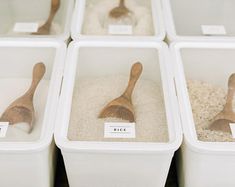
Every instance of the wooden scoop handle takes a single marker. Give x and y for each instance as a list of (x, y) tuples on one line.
[(55, 4), (136, 71), (122, 3), (39, 70), (231, 90)]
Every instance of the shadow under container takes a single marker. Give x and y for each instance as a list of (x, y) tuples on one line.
[(93, 160)]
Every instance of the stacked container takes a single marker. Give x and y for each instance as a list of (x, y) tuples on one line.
[(28, 159), (114, 162), (199, 31), (201, 162)]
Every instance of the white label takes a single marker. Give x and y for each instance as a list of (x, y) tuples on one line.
[(120, 29), (232, 127), (25, 27), (3, 129), (119, 130), (213, 30)]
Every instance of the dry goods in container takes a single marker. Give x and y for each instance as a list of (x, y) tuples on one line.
[(21, 111), (222, 120), (107, 17), (95, 73), (207, 101), (147, 101), (36, 19)]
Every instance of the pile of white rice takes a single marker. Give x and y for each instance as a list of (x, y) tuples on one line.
[(91, 96)]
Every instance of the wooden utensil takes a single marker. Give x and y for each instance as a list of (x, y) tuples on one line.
[(22, 109), (122, 107), (227, 115), (119, 11), (45, 28)]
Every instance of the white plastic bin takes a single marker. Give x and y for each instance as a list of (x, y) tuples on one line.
[(28, 13), (28, 159), (115, 163), (193, 20), (203, 163), (90, 15)]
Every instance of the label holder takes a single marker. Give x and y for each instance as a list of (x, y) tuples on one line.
[(119, 130)]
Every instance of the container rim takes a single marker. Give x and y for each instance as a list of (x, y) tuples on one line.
[(62, 121), (188, 126), (46, 136)]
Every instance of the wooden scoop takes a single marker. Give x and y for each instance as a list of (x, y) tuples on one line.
[(122, 107), (226, 116), (45, 28), (119, 11), (22, 109)]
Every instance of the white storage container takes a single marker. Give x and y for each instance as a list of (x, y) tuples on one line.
[(193, 20), (116, 162), (28, 159), (203, 163), (21, 18), (91, 21)]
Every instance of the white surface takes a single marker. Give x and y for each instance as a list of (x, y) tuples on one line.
[(184, 18), (96, 31), (21, 155), (120, 163), (119, 130), (35, 11), (211, 162)]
